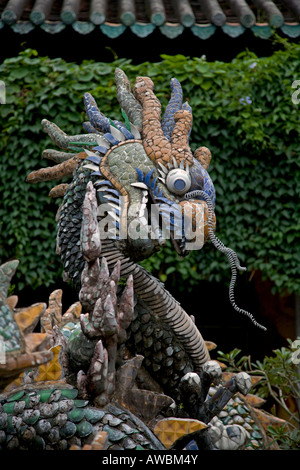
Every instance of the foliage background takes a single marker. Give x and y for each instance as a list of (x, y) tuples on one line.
[(243, 111)]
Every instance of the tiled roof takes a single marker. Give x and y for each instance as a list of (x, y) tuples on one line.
[(171, 17)]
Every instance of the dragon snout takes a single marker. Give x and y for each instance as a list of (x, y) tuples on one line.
[(197, 223)]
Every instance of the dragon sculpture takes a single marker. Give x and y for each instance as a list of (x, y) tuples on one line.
[(134, 184)]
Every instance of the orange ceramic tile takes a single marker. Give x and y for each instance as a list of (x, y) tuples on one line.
[(170, 429)]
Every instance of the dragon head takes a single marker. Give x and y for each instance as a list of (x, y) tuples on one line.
[(158, 188), (150, 185)]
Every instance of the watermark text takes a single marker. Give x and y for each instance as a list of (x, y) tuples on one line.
[(2, 92), (153, 222)]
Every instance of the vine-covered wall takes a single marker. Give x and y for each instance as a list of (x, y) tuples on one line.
[(247, 112)]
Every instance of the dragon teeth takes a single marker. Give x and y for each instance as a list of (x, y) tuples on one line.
[(113, 214), (91, 166), (113, 205)]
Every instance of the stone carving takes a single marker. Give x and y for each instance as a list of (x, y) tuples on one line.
[(125, 364)]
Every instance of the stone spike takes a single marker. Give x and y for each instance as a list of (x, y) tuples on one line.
[(90, 285), (128, 101), (52, 316), (73, 312), (60, 340), (112, 290), (175, 164), (209, 344), (163, 168), (104, 271), (90, 236), (139, 185), (97, 373), (126, 306), (115, 275), (109, 323), (81, 381), (97, 315), (127, 373), (7, 271), (87, 327)]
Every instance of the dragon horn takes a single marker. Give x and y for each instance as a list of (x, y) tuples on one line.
[(97, 119), (179, 141), (173, 106), (156, 142), (127, 100)]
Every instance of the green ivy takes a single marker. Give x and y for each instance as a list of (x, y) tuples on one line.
[(243, 111)]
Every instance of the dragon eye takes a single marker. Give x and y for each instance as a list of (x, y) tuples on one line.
[(178, 181)]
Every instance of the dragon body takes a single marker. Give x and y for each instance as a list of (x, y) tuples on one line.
[(148, 168)]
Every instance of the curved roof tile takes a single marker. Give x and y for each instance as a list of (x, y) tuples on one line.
[(113, 17)]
